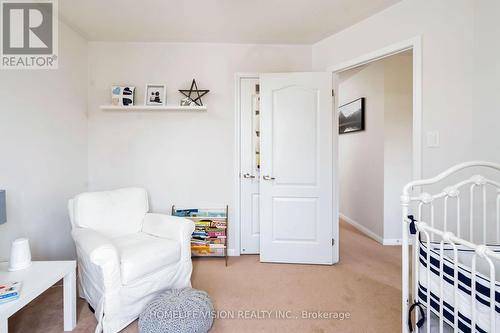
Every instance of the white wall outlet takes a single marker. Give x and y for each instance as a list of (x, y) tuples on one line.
[(433, 139)]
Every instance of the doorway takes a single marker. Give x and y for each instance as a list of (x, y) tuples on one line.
[(375, 144)]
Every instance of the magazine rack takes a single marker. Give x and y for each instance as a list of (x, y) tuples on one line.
[(210, 236)]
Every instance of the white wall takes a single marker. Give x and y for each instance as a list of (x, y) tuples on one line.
[(486, 110), (361, 154), (398, 157), (447, 30), (43, 150), (182, 158), (374, 164)]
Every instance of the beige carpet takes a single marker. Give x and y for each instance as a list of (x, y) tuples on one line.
[(366, 284)]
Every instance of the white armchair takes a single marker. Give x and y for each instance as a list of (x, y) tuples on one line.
[(125, 254)]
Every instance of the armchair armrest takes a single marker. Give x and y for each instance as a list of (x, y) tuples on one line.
[(98, 258), (170, 227)]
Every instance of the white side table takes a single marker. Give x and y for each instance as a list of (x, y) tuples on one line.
[(37, 278)]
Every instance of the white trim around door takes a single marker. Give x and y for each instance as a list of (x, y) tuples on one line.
[(414, 44), (235, 249)]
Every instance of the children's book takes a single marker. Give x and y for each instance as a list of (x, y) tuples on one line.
[(218, 224), (215, 241), (216, 246), (203, 223), (216, 214), (216, 233), (185, 212), (9, 291)]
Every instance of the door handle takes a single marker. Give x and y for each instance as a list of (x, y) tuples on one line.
[(266, 177), (247, 175)]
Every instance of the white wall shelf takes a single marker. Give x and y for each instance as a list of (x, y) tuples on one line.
[(152, 108)]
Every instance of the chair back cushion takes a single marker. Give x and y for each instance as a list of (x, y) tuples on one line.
[(112, 213)]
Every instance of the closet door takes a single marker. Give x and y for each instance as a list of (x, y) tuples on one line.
[(296, 189), (250, 164)]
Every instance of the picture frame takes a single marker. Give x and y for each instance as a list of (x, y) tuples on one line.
[(122, 95), (155, 94), (352, 116)]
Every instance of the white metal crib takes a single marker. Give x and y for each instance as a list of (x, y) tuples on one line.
[(450, 271)]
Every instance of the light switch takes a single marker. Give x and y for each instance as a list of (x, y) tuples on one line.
[(433, 139)]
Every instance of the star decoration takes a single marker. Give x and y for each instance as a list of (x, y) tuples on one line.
[(194, 89)]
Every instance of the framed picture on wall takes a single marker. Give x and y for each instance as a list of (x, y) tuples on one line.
[(155, 94), (122, 95), (352, 116)]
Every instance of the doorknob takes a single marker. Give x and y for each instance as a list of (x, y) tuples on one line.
[(247, 175), (268, 178)]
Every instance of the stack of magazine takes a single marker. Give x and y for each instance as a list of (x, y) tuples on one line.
[(209, 237), (9, 291)]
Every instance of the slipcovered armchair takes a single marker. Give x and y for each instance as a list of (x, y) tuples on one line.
[(126, 255)]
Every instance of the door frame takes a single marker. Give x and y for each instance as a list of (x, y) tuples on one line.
[(414, 44), (236, 218)]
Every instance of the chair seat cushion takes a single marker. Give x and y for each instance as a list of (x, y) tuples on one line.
[(142, 254)]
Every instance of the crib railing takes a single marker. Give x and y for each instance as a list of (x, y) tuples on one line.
[(452, 231)]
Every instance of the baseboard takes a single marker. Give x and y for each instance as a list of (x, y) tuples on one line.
[(232, 253), (369, 233), (392, 241), (362, 228)]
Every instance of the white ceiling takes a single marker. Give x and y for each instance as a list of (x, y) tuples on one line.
[(230, 21)]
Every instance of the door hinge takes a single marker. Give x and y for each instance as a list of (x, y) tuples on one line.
[(333, 241), (333, 93)]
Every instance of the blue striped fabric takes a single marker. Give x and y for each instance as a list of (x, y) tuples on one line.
[(464, 285)]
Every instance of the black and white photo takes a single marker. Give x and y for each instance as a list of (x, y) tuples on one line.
[(155, 94), (352, 116)]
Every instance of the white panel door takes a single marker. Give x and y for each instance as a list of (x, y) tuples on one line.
[(296, 189), (250, 164)]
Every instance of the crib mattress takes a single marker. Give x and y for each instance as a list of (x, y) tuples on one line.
[(464, 299)]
